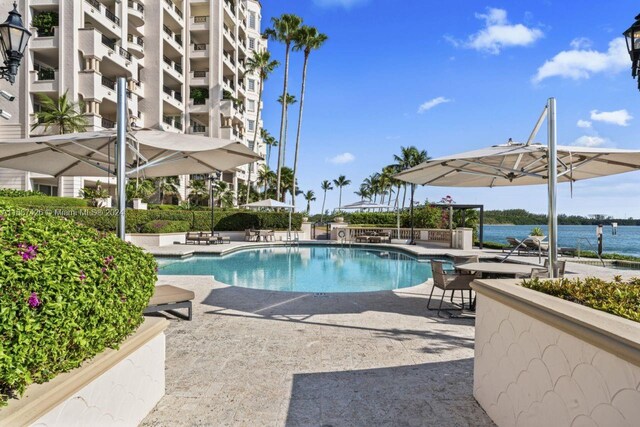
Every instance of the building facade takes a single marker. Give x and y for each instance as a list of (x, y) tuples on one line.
[(184, 61)]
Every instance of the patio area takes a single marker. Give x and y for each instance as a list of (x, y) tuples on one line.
[(253, 357)]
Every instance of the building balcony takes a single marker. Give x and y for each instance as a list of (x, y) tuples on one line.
[(137, 88), (173, 69), (97, 45), (198, 129), (173, 98), (229, 37), (174, 40), (135, 11), (229, 62), (44, 80), (229, 9), (44, 42), (199, 78), (103, 17), (172, 123), (199, 50), (136, 46), (242, 89), (229, 109), (93, 86), (243, 50), (199, 23), (231, 133), (199, 106), (174, 11)]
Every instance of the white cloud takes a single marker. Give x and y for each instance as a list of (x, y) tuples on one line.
[(428, 105), (585, 124), (347, 4), (590, 141), (498, 33), (580, 43), (342, 158), (619, 117), (582, 62)]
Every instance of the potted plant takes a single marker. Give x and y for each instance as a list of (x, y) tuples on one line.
[(45, 23), (138, 192), (99, 196), (199, 95), (537, 234)]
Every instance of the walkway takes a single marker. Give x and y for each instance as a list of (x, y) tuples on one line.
[(254, 357)]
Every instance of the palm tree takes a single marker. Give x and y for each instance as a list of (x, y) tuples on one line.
[(342, 181), (291, 99), (408, 158), (307, 39), (270, 141), (266, 177), (325, 186), (139, 189), (309, 196), (286, 182), (284, 30), (199, 191), (63, 113), (222, 194), (262, 65), (167, 186)]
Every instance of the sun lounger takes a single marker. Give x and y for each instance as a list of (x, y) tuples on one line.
[(217, 238), (362, 239), (517, 244), (192, 237), (168, 298)]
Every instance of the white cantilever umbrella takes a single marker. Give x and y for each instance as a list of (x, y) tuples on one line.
[(364, 204), (150, 153), (525, 164)]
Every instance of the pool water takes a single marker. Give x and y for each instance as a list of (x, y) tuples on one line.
[(307, 269)]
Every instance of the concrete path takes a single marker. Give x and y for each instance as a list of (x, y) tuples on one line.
[(262, 358)]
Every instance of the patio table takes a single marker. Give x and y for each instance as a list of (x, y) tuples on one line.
[(496, 268), (264, 234)]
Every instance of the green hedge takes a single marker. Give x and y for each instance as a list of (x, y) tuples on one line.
[(67, 292), (105, 219), (165, 226), (424, 217), (8, 192), (44, 201), (617, 297)]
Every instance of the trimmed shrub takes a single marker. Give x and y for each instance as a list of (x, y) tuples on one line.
[(164, 226), (67, 292), (423, 217), (44, 201), (9, 192), (617, 297)]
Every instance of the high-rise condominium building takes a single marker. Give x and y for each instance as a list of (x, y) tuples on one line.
[(185, 62)]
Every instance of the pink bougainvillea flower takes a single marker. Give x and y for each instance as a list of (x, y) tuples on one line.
[(82, 275), (34, 301), (27, 252)]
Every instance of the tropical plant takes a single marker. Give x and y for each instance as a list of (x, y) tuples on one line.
[(284, 31), (291, 99), (309, 196), (325, 186), (139, 189), (98, 192), (408, 158), (66, 115), (286, 183), (222, 194), (306, 39), (199, 193), (262, 65), (266, 178), (342, 181), (270, 142), (536, 232), (199, 94), (44, 22), (167, 186)]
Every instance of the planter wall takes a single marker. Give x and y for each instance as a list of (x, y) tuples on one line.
[(114, 388), (540, 360)]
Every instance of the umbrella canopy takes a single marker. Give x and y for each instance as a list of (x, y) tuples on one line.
[(520, 164), (365, 204), (150, 153), (268, 203)]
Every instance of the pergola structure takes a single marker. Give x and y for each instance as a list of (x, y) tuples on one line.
[(457, 207)]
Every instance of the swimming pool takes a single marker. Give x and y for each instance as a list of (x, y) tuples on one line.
[(307, 269)]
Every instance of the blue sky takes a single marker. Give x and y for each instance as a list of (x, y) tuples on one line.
[(454, 78)]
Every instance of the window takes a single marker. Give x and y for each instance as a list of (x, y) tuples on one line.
[(251, 125), (252, 20), (252, 85), (252, 43), (49, 190), (251, 105)]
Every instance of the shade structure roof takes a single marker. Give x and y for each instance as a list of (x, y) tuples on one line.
[(150, 153), (520, 164), (268, 203), (365, 204)]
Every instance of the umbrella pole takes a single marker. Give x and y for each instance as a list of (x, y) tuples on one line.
[(553, 178), (121, 141)]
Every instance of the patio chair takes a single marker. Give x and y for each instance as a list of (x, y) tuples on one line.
[(448, 282), (539, 273), (271, 235), (251, 235), (192, 237), (385, 236), (168, 298), (217, 238), (561, 267)]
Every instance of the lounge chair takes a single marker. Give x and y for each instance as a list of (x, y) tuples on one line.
[(448, 282), (385, 236), (516, 244), (536, 246), (363, 238), (168, 298)]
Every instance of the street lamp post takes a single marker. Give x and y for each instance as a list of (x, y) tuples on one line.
[(632, 36), (13, 42), (215, 176)]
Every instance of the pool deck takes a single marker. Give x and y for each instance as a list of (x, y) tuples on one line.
[(254, 357)]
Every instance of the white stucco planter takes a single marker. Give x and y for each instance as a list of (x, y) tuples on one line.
[(117, 387), (542, 361)]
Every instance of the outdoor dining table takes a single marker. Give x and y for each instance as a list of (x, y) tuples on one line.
[(497, 268), (264, 234)]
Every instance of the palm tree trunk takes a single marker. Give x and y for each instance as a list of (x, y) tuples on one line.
[(255, 138), (404, 195), (295, 157), (324, 199), (268, 154), (397, 196), (283, 119), (340, 198)]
